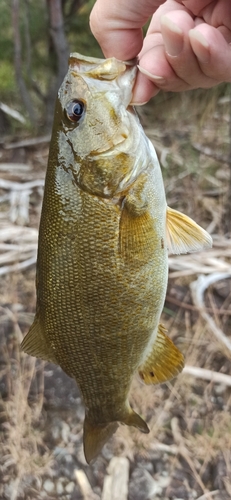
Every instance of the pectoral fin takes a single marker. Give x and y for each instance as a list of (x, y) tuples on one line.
[(137, 237), (34, 343), (164, 362), (137, 230), (184, 235)]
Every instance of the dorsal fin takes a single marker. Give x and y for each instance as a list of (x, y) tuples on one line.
[(184, 235), (164, 362)]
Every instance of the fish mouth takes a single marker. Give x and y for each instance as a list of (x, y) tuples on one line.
[(101, 69)]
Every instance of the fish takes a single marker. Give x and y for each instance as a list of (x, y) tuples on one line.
[(104, 238)]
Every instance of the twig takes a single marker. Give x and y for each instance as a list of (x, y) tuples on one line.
[(15, 257), (20, 186), (171, 449), (116, 483), (210, 152), (190, 307), (84, 485), (209, 493), (198, 287), (18, 267), (28, 142), (185, 453), (12, 112), (216, 377), (6, 167)]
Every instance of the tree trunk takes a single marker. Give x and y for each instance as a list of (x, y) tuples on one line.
[(61, 49), (18, 62)]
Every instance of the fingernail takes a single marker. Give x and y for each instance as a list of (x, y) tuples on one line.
[(200, 46), (154, 78), (173, 37), (138, 103)]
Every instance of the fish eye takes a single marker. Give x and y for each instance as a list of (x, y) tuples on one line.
[(75, 110)]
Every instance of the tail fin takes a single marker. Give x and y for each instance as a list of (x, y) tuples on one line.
[(95, 436), (134, 420)]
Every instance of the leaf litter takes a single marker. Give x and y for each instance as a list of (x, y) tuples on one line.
[(187, 454)]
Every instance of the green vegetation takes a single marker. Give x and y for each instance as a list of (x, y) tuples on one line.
[(38, 59)]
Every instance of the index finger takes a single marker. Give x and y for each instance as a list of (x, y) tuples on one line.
[(117, 25)]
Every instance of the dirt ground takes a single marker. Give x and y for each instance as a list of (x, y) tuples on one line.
[(187, 454)]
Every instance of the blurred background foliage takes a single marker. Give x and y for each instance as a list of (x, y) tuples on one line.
[(33, 35)]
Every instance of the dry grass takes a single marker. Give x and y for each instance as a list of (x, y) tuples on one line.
[(189, 418)]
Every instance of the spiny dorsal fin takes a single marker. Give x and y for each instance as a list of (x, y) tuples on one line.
[(34, 343), (184, 235), (164, 362)]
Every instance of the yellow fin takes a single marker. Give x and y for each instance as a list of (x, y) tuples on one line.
[(95, 437), (136, 237), (164, 362), (34, 343), (184, 235)]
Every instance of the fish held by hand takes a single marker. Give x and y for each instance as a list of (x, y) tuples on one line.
[(104, 236)]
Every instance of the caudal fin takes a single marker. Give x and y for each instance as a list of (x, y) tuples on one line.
[(95, 436), (134, 420)]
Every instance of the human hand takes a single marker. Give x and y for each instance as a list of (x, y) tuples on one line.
[(187, 44)]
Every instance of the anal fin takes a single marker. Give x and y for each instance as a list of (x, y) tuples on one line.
[(184, 235), (164, 362), (35, 344)]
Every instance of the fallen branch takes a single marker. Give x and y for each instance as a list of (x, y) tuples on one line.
[(85, 486), (115, 485), (210, 375)]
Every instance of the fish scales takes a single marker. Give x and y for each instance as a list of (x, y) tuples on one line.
[(101, 305), (102, 256)]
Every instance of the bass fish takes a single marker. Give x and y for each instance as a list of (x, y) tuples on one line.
[(104, 238)]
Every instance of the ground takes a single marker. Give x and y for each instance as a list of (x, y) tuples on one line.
[(187, 454)]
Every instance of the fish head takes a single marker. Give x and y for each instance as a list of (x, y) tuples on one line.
[(96, 128)]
